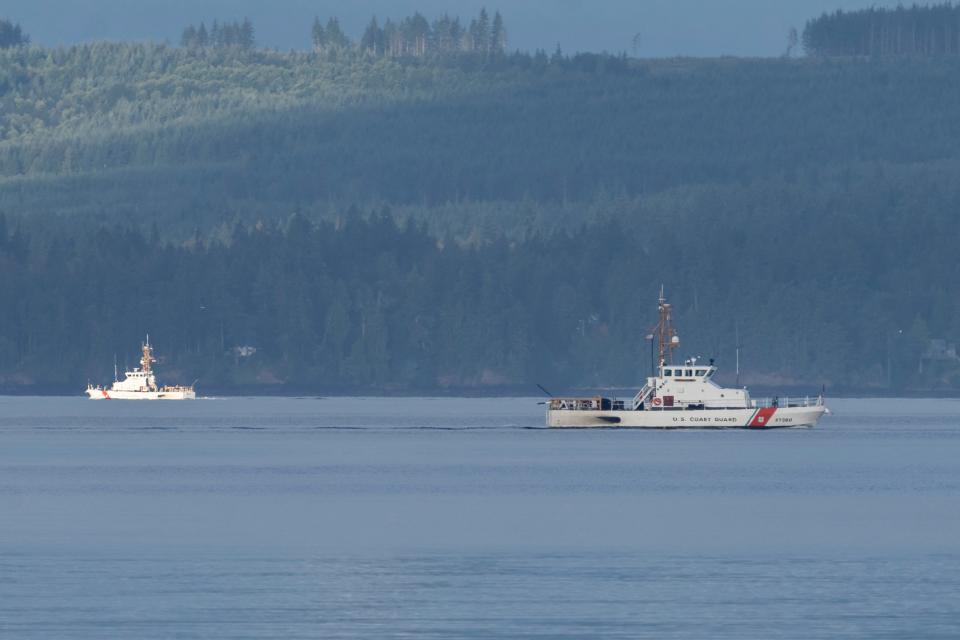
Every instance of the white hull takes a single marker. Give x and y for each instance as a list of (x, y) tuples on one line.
[(765, 418), (108, 394)]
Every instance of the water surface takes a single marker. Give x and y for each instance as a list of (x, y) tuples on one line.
[(389, 518)]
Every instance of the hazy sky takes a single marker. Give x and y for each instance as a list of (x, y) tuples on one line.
[(666, 27)]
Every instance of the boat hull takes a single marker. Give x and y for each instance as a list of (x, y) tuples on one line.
[(765, 418), (107, 394)]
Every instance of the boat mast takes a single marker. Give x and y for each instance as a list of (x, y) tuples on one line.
[(667, 338), (147, 357)]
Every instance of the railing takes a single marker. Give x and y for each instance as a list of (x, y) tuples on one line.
[(641, 396), (783, 403), (576, 404), (607, 404), (586, 404)]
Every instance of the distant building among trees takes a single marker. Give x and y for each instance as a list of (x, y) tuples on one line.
[(932, 30), (239, 35), (417, 37), (11, 35)]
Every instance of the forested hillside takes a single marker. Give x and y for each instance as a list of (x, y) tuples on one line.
[(484, 218), (194, 137), (915, 31)]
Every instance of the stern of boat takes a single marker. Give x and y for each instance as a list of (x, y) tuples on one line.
[(96, 393)]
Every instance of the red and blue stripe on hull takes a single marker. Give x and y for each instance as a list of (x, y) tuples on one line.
[(761, 419)]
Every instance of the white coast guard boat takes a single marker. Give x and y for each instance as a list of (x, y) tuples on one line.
[(684, 396), (140, 384)]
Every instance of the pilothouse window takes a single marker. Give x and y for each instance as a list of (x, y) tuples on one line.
[(667, 372), (689, 373), (701, 373)]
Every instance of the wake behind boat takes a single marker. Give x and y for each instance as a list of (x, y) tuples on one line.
[(684, 397), (140, 384)]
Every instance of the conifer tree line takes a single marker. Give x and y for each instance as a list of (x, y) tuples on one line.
[(416, 36), (239, 35), (366, 302), (11, 35), (931, 30)]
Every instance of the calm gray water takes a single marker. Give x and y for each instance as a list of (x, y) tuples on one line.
[(453, 518)]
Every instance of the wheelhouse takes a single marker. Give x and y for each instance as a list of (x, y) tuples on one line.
[(688, 372)]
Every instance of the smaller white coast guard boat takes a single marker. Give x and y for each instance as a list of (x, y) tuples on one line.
[(684, 396), (140, 384)]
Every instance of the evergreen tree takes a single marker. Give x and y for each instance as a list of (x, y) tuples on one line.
[(792, 41), (557, 57), (11, 35), (498, 34), (372, 39), (318, 35), (189, 37), (415, 34), (230, 33), (471, 37), (393, 39), (446, 34), (482, 33), (457, 35), (335, 37), (247, 39)]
